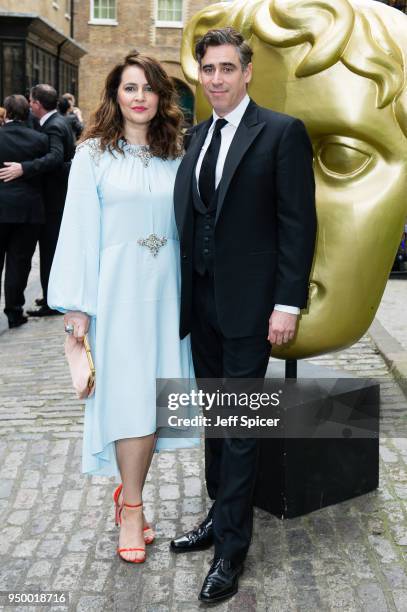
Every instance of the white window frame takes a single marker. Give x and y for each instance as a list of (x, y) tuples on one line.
[(168, 24), (95, 21)]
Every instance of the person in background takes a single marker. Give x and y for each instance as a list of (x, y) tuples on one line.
[(21, 206), (64, 108), (55, 167), (2, 115), (74, 109)]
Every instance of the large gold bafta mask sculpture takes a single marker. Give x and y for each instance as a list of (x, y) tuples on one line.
[(339, 65)]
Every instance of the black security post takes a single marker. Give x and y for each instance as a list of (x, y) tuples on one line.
[(291, 368)]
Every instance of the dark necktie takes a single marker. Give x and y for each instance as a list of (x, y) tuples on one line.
[(207, 175)]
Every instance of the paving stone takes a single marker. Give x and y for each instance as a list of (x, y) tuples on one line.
[(96, 576), (40, 569), (41, 523), (169, 492), (81, 540), (26, 498), (400, 599), (155, 590), (12, 573), (51, 546), (18, 517), (383, 548), (25, 549), (372, 597), (8, 538), (5, 488), (71, 500), (192, 487), (88, 603), (70, 570), (95, 496)]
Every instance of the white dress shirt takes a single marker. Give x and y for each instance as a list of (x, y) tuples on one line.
[(227, 134), (45, 117)]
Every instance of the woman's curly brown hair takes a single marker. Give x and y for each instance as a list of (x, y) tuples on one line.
[(164, 131)]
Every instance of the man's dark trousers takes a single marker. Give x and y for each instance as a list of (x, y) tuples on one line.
[(48, 238), (17, 244), (232, 462)]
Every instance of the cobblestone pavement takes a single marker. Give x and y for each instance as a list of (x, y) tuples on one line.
[(57, 526), (392, 312)]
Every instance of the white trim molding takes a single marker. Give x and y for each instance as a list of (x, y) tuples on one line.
[(169, 24)]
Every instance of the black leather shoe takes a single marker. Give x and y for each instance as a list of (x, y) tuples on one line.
[(40, 302), (221, 582), (43, 311), (17, 322), (197, 539)]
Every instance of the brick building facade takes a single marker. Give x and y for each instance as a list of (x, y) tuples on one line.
[(37, 46), (109, 29)]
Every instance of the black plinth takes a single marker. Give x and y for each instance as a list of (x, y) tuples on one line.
[(297, 475)]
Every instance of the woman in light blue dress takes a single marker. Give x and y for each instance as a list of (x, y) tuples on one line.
[(116, 274)]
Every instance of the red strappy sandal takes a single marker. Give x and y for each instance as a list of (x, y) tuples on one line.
[(122, 550), (149, 535)]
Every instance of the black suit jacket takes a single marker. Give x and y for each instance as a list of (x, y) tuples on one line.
[(21, 200), (75, 125), (265, 221), (56, 164)]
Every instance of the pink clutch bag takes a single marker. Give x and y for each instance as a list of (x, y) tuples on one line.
[(81, 366)]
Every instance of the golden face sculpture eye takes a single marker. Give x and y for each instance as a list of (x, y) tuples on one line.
[(342, 160)]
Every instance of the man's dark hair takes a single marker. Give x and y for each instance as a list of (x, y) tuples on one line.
[(224, 36), (46, 95), (17, 107)]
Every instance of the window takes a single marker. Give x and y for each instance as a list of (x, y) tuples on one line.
[(68, 8), (103, 12), (12, 63), (169, 13), (40, 67)]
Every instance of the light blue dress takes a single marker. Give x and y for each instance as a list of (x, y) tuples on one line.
[(131, 289)]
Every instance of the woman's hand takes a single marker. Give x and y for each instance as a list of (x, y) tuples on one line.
[(80, 322)]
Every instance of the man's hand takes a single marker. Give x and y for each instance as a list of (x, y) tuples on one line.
[(80, 322), (281, 327), (11, 172)]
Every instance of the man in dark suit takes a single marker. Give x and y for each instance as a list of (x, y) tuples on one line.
[(55, 168), (245, 211), (21, 206)]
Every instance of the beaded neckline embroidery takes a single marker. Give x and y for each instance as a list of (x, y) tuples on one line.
[(142, 152)]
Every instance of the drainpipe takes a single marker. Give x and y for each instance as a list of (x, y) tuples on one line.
[(59, 49), (72, 19)]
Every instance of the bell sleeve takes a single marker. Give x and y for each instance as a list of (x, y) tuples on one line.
[(73, 283)]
